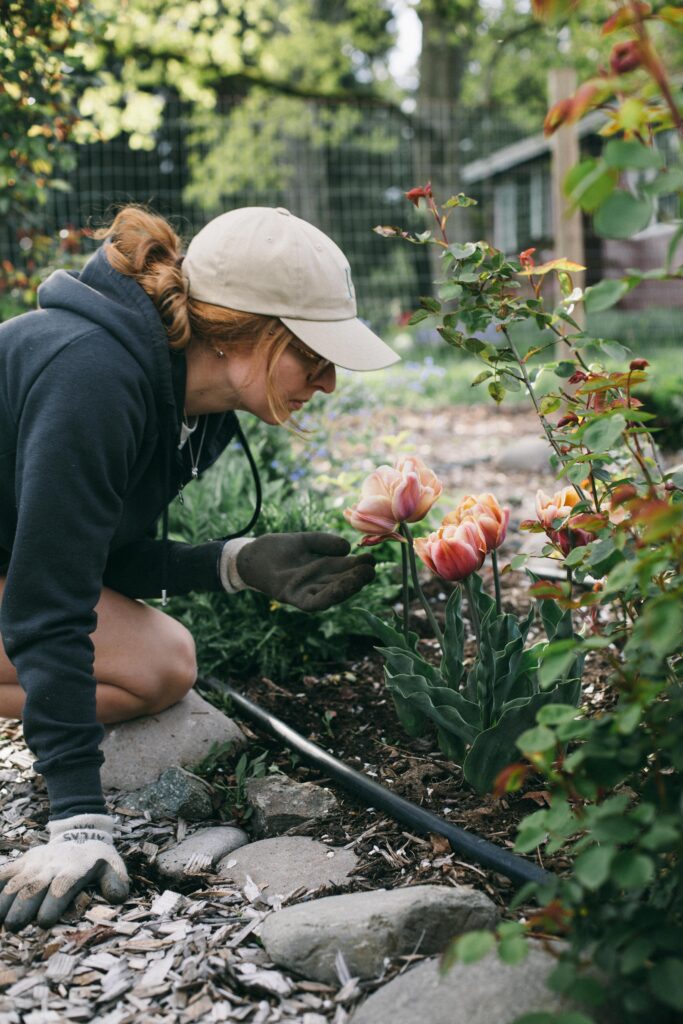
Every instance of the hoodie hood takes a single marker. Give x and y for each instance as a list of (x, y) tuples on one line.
[(103, 296)]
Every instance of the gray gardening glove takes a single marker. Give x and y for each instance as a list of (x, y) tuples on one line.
[(41, 884), (311, 571)]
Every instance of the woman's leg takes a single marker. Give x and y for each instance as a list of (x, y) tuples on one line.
[(144, 661)]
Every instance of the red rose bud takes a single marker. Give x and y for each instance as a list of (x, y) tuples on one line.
[(578, 377), (526, 258), (414, 195), (638, 364), (570, 417), (556, 116), (625, 56), (621, 494)]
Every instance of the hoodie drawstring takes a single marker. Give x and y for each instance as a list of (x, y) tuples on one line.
[(167, 479)]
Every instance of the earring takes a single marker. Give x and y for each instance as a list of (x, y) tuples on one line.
[(219, 352)]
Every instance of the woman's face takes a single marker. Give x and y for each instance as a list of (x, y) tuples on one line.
[(238, 380)]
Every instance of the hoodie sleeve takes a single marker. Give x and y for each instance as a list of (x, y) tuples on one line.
[(137, 570), (79, 433)]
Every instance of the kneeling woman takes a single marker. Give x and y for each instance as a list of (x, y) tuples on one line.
[(118, 391)]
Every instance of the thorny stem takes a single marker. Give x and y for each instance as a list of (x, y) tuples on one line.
[(496, 581), (544, 422), (437, 216), (406, 591), (594, 490), (576, 352), (637, 456), (405, 530)]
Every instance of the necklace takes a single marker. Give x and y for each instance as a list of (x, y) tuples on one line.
[(189, 430)]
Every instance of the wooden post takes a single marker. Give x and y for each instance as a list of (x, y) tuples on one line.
[(567, 228)]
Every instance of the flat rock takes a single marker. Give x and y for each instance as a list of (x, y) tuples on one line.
[(369, 926), (279, 803), (200, 851), (486, 992), (282, 865), (525, 454), (175, 794), (138, 751)]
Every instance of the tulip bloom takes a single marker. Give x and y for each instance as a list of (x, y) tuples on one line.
[(560, 506), (491, 519), (454, 551), (402, 493)]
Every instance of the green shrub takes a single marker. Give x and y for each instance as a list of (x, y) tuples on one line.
[(247, 633)]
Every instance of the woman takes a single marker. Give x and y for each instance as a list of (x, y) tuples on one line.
[(118, 391)]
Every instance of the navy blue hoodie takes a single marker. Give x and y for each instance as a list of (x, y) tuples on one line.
[(91, 401)]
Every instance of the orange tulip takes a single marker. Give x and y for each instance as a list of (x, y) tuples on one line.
[(454, 551), (491, 519), (402, 493)]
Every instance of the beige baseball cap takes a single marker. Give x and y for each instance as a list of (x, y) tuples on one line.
[(260, 259)]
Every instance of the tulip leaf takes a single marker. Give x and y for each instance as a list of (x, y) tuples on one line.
[(495, 747), (450, 745), (447, 708), (387, 634)]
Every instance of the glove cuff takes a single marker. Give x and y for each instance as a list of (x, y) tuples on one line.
[(231, 580), (81, 828)]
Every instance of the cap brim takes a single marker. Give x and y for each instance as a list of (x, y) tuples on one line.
[(346, 343)]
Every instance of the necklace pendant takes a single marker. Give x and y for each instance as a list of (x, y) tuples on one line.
[(195, 472)]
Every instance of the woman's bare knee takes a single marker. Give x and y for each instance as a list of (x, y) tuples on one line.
[(172, 676)]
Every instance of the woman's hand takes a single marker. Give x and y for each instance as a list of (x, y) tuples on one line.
[(311, 571), (41, 884)]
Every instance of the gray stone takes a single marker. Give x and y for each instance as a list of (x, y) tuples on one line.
[(200, 851), (486, 992), (282, 865), (175, 794), (528, 454), (138, 751), (369, 926), (280, 803)]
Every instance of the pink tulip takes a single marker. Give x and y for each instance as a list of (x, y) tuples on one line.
[(560, 506), (454, 551), (402, 493), (491, 519)]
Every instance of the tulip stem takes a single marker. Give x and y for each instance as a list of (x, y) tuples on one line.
[(406, 592), (405, 530), (474, 611), (496, 582)]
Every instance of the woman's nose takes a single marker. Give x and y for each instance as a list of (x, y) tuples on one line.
[(327, 381)]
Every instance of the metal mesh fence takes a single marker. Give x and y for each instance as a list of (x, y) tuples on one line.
[(344, 167)]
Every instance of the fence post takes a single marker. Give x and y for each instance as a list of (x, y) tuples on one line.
[(564, 149)]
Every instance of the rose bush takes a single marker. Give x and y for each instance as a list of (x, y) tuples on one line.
[(615, 781)]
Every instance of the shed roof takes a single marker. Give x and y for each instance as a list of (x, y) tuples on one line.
[(522, 151)]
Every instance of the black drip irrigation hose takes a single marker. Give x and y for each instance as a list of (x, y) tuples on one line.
[(465, 844)]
